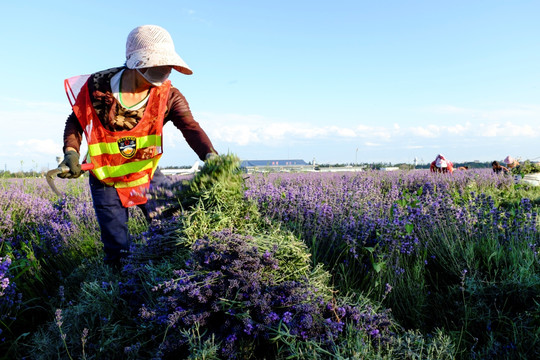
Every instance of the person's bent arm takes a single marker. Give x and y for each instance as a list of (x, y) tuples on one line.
[(180, 114), (72, 134)]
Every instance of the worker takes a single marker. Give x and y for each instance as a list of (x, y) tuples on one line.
[(442, 165), (511, 162), (122, 112), (498, 168)]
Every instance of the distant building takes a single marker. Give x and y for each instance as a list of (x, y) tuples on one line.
[(390, 168), (255, 163), (275, 165), (295, 165)]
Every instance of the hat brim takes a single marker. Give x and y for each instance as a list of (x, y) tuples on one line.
[(142, 59)]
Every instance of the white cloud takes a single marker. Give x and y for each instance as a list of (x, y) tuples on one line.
[(430, 131), (34, 153), (38, 146), (379, 132), (508, 129), (254, 129), (458, 129), (249, 129), (434, 131)]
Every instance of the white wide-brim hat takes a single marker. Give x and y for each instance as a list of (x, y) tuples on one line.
[(509, 160), (151, 45), (441, 163)]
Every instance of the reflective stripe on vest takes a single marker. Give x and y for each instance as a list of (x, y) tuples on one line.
[(145, 179), (112, 147), (107, 172)]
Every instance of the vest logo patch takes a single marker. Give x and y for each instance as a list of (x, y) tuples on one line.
[(127, 146)]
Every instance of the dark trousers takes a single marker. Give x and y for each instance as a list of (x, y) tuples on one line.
[(113, 217)]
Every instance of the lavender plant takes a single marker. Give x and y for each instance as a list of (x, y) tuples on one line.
[(46, 238), (388, 229), (10, 300)]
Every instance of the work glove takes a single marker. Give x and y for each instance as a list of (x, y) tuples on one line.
[(210, 157), (71, 160)]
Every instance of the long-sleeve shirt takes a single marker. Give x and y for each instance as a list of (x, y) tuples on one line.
[(117, 118)]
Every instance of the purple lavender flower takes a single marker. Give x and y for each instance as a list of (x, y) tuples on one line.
[(58, 317), (5, 262), (287, 317)]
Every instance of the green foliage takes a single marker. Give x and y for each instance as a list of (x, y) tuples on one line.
[(527, 167), (96, 306), (219, 182), (413, 345), (212, 201), (507, 196), (404, 345), (483, 292), (200, 346)]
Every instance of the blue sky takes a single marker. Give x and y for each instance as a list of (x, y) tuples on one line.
[(335, 81)]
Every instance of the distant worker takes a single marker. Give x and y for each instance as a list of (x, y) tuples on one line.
[(441, 165), (463, 167), (511, 162), (121, 111), (498, 168)]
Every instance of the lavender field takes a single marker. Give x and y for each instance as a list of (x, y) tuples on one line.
[(458, 252), (370, 265)]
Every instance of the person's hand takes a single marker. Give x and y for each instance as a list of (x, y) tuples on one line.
[(211, 161), (71, 160)]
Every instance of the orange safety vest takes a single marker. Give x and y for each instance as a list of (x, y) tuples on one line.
[(127, 159)]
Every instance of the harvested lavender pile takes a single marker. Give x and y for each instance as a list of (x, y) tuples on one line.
[(248, 284)]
